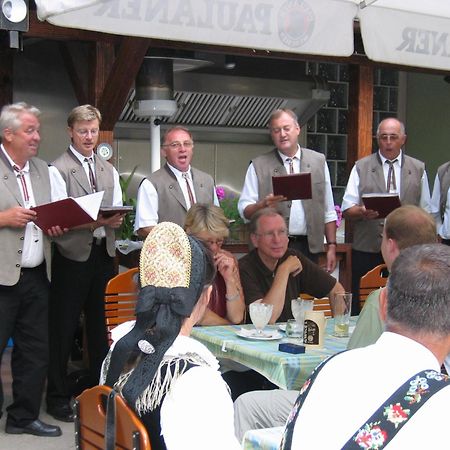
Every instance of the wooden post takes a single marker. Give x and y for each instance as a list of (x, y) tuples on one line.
[(360, 120)]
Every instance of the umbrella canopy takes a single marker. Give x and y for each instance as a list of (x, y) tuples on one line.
[(406, 32), (289, 26)]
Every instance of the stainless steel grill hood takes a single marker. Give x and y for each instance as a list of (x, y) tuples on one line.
[(234, 103)]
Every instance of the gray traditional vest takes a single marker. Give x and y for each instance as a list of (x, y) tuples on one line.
[(444, 183), (367, 233), (171, 203), (76, 244), (270, 164), (12, 239)]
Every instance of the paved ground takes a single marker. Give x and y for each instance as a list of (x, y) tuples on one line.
[(26, 441)]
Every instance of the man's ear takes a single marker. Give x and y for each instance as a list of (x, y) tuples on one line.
[(7, 134), (383, 304), (254, 239)]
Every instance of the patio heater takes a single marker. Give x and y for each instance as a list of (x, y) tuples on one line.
[(154, 99)]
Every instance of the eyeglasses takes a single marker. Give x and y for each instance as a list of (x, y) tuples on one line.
[(83, 132), (176, 145), (274, 234), (389, 137)]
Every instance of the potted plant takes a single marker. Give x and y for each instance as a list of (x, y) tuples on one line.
[(228, 200), (128, 245)]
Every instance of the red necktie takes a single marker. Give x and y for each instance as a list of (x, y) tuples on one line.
[(91, 174), (21, 176), (189, 190)]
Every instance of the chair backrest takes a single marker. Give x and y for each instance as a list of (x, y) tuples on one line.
[(90, 420), (120, 299), (320, 304), (373, 279)]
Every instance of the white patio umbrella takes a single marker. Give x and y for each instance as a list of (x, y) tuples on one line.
[(406, 32)]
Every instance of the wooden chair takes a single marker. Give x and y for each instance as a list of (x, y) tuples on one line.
[(320, 304), (120, 299), (373, 279), (90, 421)]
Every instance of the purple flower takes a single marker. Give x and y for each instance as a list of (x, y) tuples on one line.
[(220, 191)]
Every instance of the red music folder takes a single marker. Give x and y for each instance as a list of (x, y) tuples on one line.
[(69, 212), (296, 186), (383, 203), (108, 211)]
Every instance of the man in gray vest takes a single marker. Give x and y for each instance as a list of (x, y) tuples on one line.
[(167, 194), (82, 261), (26, 181), (308, 220), (388, 170), (440, 202)]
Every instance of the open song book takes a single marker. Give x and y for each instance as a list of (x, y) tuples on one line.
[(69, 212), (383, 203)]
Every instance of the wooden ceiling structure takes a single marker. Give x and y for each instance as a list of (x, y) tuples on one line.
[(113, 61)]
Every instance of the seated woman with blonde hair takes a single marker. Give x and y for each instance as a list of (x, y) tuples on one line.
[(209, 224)]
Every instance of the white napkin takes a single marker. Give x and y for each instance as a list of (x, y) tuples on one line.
[(252, 332)]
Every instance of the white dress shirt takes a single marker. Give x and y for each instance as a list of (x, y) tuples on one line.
[(352, 197), (117, 193), (443, 226), (353, 385), (297, 220), (147, 199)]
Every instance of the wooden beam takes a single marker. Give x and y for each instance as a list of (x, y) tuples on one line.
[(101, 61), (121, 78), (360, 113), (106, 136), (360, 120)]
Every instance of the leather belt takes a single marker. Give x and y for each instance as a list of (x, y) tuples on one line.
[(32, 269), (298, 238)]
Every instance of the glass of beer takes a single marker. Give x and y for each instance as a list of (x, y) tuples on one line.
[(342, 310)]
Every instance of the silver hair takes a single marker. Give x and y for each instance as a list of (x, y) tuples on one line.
[(419, 290), (10, 115), (402, 125), (278, 112)]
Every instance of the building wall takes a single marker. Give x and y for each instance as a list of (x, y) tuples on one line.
[(40, 79), (427, 120)]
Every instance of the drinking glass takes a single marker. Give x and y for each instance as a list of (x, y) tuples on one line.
[(294, 330), (299, 307), (260, 314), (342, 309)]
